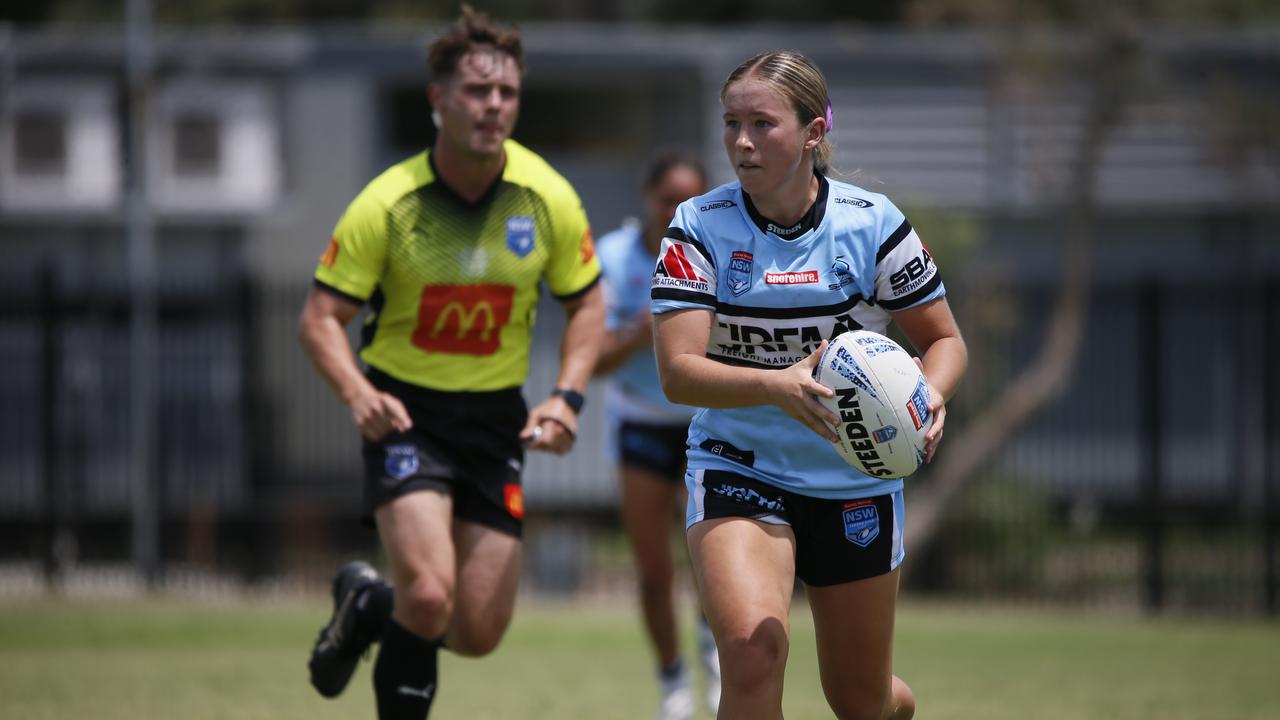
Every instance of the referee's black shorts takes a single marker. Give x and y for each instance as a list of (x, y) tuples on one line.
[(465, 444)]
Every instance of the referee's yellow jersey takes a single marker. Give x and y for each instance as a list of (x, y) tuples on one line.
[(453, 285)]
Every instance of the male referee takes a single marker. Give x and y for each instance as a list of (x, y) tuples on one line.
[(449, 248)]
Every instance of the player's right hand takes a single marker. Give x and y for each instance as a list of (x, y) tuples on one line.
[(796, 392), (377, 414)]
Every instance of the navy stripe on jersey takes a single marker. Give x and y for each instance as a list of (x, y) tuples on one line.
[(676, 233), (575, 295), (321, 285), (683, 296), (888, 245), (914, 297), (789, 313)]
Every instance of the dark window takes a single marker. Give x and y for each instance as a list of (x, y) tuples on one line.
[(41, 139), (197, 139)]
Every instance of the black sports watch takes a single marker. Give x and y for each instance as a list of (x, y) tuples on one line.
[(572, 398)]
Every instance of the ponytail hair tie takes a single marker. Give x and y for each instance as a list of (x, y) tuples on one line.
[(831, 118)]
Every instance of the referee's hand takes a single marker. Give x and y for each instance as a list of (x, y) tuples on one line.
[(377, 414), (552, 427)]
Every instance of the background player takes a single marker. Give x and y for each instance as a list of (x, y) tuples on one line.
[(449, 247), (754, 277), (651, 431)]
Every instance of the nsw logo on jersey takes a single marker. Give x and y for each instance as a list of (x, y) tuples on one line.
[(520, 231), (675, 270), (739, 274)]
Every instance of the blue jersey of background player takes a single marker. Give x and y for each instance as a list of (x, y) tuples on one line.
[(649, 430), (635, 391), (777, 293)]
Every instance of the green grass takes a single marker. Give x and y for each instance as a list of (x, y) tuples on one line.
[(192, 661)]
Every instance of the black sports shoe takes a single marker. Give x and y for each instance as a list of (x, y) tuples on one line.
[(338, 649)]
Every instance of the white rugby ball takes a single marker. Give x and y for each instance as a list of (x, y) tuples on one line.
[(882, 401)]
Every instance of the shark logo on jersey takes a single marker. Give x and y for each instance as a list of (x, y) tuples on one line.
[(520, 235), (401, 461), (841, 273), (739, 274)]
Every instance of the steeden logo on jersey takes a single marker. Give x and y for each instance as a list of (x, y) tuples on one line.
[(802, 277)]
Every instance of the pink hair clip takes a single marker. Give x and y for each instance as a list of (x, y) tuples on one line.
[(831, 118)]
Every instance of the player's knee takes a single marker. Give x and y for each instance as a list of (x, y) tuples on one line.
[(425, 603), (753, 657)]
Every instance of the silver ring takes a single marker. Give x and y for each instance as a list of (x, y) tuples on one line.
[(537, 433)]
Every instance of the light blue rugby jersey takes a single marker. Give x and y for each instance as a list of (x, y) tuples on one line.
[(776, 293), (635, 391)]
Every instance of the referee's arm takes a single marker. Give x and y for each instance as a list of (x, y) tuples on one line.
[(583, 338), (579, 350), (323, 335)]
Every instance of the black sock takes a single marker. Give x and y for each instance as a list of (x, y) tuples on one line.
[(404, 675), (373, 609), (672, 671)]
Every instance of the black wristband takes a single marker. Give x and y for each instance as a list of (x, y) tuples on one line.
[(572, 398)]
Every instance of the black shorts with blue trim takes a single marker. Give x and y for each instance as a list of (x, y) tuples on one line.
[(659, 449), (464, 444), (837, 541)]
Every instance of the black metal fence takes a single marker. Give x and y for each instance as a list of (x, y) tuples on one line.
[(1151, 481)]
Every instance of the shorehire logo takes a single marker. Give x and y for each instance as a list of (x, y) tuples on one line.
[(802, 277)]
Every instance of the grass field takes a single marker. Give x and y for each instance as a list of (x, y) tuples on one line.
[(125, 660)]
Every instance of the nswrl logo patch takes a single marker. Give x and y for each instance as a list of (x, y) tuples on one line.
[(402, 461), (861, 522), (520, 231)]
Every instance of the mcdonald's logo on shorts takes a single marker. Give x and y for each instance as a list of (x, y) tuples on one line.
[(463, 319)]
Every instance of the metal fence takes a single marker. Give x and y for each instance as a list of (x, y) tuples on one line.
[(1150, 481)]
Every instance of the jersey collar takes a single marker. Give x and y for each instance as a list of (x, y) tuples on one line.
[(811, 219), (443, 187)]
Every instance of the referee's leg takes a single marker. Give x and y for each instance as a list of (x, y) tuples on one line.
[(488, 574), (415, 532)]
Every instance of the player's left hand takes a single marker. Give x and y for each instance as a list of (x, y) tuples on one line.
[(552, 427), (938, 410)]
